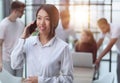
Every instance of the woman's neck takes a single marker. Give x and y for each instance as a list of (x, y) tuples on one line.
[(43, 39)]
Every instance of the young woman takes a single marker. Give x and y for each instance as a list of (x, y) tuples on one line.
[(87, 43), (48, 57)]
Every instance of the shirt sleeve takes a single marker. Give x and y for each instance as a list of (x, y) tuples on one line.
[(102, 35), (116, 33), (74, 35), (17, 55), (2, 31), (66, 75)]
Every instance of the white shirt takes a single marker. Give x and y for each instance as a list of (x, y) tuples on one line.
[(114, 33), (10, 33), (64, 34), (52, 63)]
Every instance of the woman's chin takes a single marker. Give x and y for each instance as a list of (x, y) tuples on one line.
[(41, 30)]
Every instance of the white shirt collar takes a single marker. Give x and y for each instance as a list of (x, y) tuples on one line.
[(50, 43)]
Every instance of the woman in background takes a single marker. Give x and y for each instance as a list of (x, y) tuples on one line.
[(87, 43), (48, 57)]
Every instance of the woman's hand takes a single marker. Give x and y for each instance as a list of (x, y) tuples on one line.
[(27, 31), (32, 79)]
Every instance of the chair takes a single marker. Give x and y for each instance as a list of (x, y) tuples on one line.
[(82, 59), (6, 77), (83, 67), (109, 78)]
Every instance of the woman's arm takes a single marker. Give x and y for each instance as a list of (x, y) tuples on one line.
[(17, 55)]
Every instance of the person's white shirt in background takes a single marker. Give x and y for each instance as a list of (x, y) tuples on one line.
[(65, 34), (10, 33), (114, 33)]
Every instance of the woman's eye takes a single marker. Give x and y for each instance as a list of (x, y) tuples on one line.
[(47, 18), (39, 18)]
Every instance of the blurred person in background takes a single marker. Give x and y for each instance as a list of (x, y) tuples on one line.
[(11, 29), (87, 43), (64, 29), (112, 32)]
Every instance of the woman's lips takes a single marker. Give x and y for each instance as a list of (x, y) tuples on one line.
[(42, 28)]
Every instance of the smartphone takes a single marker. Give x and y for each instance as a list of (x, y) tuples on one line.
[(32, 27)]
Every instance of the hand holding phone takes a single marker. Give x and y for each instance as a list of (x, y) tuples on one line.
[(29, 29), (32, 27)]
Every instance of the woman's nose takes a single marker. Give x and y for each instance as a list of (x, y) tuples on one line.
[(42, 22)]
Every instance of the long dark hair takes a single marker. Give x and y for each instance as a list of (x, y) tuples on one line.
[(89, 34), (54, 17)]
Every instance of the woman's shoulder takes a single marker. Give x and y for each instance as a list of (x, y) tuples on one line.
[(61, 42), (31, 39)]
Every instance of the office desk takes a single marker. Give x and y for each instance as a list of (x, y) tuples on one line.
[(83, 75)]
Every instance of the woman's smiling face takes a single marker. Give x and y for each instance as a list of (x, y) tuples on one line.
[(43, 22)]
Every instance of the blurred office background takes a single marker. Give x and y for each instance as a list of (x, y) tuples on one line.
[(83, 14)]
